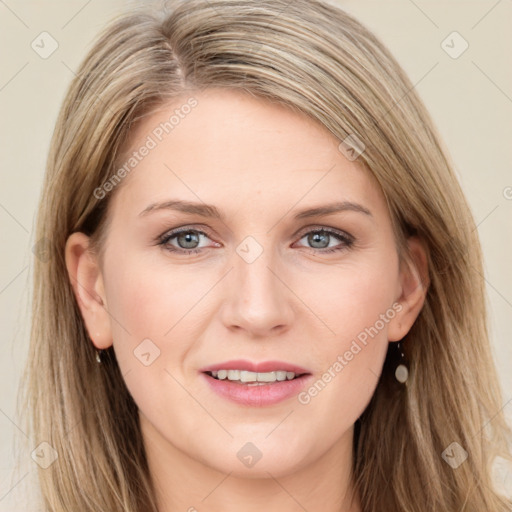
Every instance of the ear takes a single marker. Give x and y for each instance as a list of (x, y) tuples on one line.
[(413, 287), (87, 282)]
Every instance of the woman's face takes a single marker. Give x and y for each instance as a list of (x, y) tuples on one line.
[(286, 260)]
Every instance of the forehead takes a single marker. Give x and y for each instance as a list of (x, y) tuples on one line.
[(232, 147)]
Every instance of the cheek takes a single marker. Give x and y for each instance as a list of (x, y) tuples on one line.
[(356, 303), (162, 304), (153, 320), (350, 298), (151, 299)]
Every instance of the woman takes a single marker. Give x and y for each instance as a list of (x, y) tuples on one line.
[(265, 283)]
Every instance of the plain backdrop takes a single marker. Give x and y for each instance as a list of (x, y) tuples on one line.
[(469, 94)]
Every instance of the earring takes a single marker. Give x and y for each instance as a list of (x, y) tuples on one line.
[(401, 372), (98, 356)]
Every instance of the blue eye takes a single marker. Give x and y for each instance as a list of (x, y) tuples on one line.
[(188, 240), (320, 240)]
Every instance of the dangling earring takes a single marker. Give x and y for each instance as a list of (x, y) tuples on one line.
[(401, 372), (98, 356)]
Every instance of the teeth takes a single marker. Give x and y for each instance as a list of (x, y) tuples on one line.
[(246, 376), (234, 374)]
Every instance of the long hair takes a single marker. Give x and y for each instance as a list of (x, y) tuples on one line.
[(319, 61)]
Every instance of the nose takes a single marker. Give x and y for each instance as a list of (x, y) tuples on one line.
[(257, 299)]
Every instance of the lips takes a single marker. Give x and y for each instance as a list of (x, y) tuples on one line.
[(262, 367), (256, 394)]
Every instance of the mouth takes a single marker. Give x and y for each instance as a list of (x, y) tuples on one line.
[(256, 384), (249, 378)]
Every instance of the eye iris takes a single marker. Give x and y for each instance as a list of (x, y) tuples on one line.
[(319, 237), (189, 237)]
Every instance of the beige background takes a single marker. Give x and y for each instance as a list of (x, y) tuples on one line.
[(470, 98)]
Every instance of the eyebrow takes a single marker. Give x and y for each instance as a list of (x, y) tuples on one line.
[(207, 210)]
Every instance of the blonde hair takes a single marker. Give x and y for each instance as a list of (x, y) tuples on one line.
[(319, 61)]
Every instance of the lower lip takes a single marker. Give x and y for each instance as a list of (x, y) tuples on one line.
[(259, 395)]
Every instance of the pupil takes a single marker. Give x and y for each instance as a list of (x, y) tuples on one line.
[(316, 238), (189, 238)]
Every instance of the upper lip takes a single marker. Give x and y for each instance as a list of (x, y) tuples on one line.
[(262, 367)]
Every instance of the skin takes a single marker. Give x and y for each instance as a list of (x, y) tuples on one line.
[(259, 164)]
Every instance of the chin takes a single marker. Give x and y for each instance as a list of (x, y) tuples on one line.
[(246, 460)]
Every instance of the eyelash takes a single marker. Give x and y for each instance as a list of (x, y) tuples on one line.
[(164, 239)]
